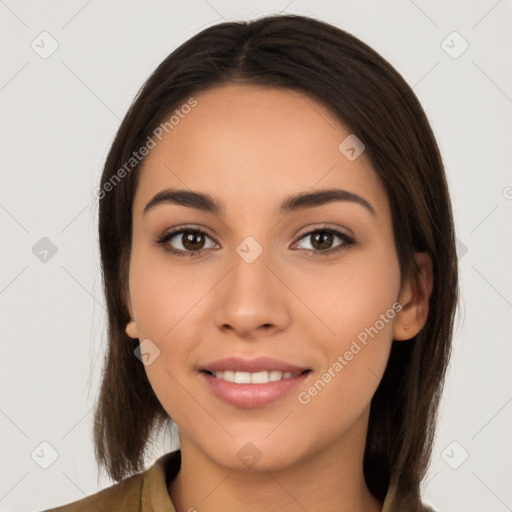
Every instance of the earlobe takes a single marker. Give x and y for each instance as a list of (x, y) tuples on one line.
[(131, 329), (415, 301)]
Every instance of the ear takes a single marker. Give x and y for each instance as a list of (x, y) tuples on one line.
[(132, 330), (414, 298), (131, 327)]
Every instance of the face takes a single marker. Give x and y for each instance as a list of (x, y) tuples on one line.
[(314, 285)]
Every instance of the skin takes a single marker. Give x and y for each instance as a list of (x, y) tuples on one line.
[(250, 147)]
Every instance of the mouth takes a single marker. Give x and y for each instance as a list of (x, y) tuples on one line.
[(250, 383), (249, 390)]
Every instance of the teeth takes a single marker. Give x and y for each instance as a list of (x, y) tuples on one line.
[(253, 378)]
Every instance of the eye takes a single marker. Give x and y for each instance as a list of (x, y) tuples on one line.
[(322, 239), (189, 242)]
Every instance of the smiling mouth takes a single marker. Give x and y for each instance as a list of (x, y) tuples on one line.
[(262, 377)]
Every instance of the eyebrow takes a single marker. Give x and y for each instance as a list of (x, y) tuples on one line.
[(300, 201)]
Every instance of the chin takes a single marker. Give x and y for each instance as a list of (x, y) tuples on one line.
[(254, 456)]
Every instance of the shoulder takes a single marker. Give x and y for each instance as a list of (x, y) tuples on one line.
[(143, 492), (426, 508), (124, 495)]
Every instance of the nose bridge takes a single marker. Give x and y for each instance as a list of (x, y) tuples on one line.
[(250, 272), (251, 295)]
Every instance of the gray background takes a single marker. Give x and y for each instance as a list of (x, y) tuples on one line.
[(59, 116)]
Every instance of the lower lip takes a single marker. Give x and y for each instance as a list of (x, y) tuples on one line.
[(252, 395)]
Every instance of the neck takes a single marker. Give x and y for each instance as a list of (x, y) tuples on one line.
[(329, 480)]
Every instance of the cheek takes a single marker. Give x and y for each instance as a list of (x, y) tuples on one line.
[(351, 296), (168, 301), (354, 317), (164, 295), (163, 300)]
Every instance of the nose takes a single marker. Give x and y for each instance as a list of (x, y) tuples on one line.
[(252, 299)]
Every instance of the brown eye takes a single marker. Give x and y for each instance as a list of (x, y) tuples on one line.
[(185, 242), (322, 241)]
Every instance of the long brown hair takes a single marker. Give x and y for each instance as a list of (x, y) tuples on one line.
[(369, 97)]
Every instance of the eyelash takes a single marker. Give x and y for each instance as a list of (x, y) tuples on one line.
[(347, 241)]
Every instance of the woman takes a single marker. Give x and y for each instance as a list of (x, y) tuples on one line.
[(280, 274)]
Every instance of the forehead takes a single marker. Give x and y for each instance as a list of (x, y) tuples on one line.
[(251, 145)]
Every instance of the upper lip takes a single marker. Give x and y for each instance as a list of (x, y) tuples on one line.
[(258, 364)]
